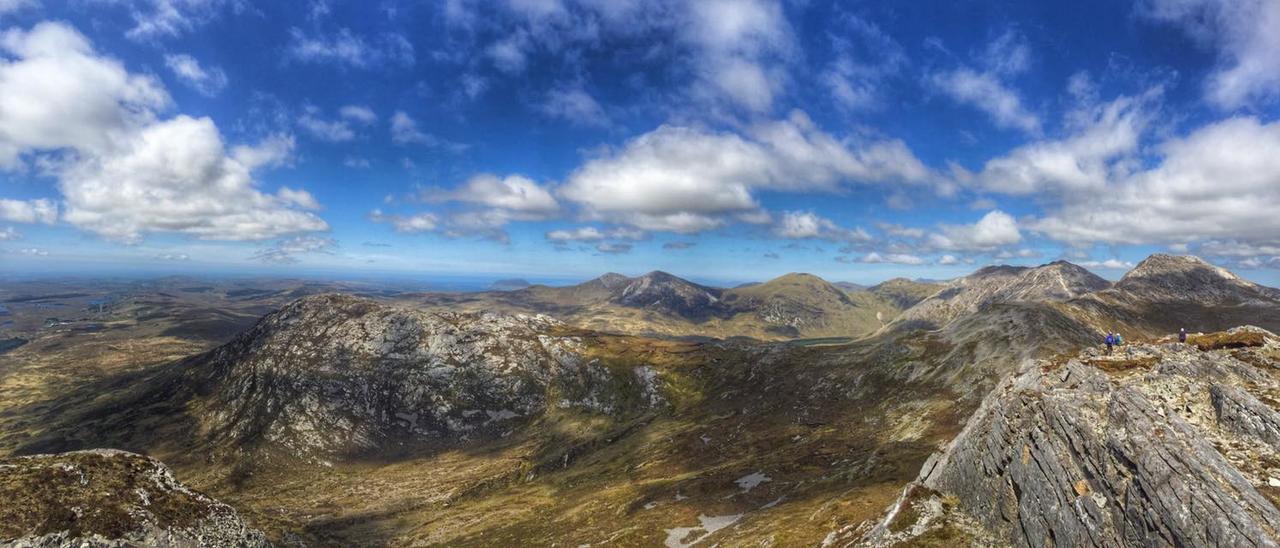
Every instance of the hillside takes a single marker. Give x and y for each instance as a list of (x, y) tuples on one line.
[(340, 420), (107, 498)]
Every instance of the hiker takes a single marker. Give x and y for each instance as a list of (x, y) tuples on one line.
[(1119, 340), (1182, 335), (1111, 340)]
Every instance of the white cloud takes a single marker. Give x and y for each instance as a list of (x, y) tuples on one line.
[(684, 179), (358, 113), (738, 42), (422, 222), (1109, 264), (356, 162), (984, 91), (575, 105), (32, 252), (593, 234), (168, 18), (298, 197), (808, 225), (864, 57), (208, 81), (28, 211), (10, 6), (404, 131), (515, 193), (176, 176), (286, 251), (612, 248), (994, 230), (1221, 182), (350, 49), (333, 131), (1080, 163), (895, 258), (56, 93), (173, 256), (132, 173), (1246, 34), (947, 260), (10, 234)]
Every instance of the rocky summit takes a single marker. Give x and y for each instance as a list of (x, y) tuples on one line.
[(334, 374)]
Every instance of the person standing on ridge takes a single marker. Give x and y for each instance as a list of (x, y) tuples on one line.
[(1110, 340), (1182, 335)]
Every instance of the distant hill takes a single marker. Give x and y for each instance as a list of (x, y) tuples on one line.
[(658, 303)]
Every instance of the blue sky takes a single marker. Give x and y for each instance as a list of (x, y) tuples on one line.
[(557, 139)]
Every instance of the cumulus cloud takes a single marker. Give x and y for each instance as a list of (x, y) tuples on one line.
[(1080, 163), (209, 81), (28, 211), (286, 251), (683, 179), (132, 172), (515, 193), (31, 252), (1220, 182), (422, 222), (10, 234), (1246, 36), (994, 230), (801, 225)]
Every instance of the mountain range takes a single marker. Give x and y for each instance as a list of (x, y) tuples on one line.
[(976, 411), (792, 306)]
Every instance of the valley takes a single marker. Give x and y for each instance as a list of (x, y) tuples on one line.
[(561, 416)]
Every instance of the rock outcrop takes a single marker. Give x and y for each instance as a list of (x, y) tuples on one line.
[(334, 374), (1158, 445), (107, 498)]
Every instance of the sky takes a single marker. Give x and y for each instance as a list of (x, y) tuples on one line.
[(721, 140)]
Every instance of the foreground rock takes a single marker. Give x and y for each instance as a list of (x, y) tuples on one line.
[(102, 498), (1158, 445)]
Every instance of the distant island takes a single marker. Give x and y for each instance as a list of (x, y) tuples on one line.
[(510, 284)]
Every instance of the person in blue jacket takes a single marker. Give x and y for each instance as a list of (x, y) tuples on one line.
[(1111, 340)]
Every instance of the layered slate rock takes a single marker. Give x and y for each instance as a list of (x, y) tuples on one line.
[(108, 498), (1158, 445)]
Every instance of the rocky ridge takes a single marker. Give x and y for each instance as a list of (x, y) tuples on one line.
[(1054, 282), (107, 498), (1161, 444), (334, 374)]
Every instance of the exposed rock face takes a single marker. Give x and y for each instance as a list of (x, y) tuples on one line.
[(1054, 282), (108, 498), (335, 374), (1159, 445), (1181, 278), (668, 294)]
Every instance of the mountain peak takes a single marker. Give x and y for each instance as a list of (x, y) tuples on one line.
[(1160, 264)]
